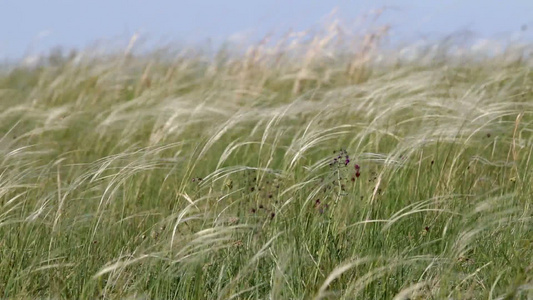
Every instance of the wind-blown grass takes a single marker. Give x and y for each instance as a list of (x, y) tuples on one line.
[(235, 177)]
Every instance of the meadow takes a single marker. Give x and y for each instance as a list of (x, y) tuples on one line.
[(311, 168)]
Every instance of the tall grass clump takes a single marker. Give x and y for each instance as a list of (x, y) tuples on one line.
[(309, 167)]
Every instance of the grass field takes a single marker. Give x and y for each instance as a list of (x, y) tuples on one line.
[(278, 173)]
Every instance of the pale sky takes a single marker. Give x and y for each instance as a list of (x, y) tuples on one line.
[(33, 26)]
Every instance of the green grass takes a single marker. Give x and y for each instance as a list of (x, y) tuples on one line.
[(196, 178)]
